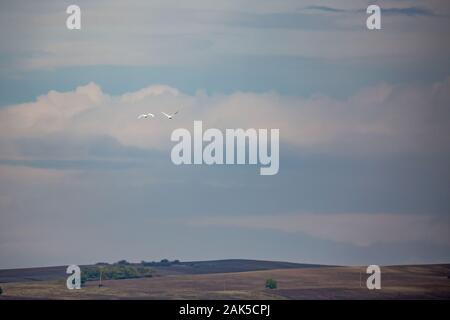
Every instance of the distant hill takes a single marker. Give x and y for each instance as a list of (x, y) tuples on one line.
[(187, 267), (32, 274), (231, 265)]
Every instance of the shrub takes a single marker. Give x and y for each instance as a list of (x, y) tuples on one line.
[(162, 263), (271, 284), (117, 271)]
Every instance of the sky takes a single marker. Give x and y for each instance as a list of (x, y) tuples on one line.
[(364, 120)]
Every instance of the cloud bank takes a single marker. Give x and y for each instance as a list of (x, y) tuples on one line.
[(382, 119)]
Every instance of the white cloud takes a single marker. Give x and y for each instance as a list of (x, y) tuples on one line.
[(376, 120), (381, 119), (155, 90)]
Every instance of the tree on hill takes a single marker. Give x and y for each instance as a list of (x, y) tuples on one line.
[(271, 284)]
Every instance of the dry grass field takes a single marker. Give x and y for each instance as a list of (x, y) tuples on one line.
[(398, 282)]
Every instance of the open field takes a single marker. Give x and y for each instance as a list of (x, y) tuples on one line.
[(188, 267), (398, 282)]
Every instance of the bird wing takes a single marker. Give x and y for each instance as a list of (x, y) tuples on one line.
[(141, 116), (168, 116), (151, 115)]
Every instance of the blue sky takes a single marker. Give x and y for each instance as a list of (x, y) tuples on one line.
[(363, 116)]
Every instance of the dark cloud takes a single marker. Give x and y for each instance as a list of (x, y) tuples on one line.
[(406, 11), (409, 11), (325, 9)]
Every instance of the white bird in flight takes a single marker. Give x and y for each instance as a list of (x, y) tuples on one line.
[(169, 116), (145, 116)]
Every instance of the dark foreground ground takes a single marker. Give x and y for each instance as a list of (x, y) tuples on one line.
[(237, 279)]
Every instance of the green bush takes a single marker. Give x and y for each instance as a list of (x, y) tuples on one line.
[(162, 263), (115, 272), (271, 284)]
